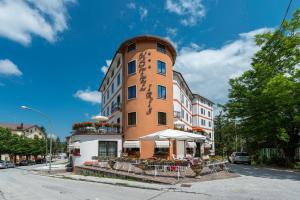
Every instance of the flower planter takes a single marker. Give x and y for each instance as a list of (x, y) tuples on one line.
[(111, 163), (197, 169)]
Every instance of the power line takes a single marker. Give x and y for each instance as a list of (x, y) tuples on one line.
[(285, 14)]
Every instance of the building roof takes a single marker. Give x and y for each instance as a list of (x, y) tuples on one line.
[(180, 75), (198, 95), (141, 38), (15, 126)]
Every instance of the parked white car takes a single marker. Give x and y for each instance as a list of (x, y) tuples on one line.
[(240, 157)]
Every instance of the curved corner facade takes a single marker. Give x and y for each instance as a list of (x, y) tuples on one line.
[(153, 91), (142, 93), (145, 90)]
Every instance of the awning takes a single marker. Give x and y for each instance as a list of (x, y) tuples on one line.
[(162, 144), (191, 144), (131, 144)]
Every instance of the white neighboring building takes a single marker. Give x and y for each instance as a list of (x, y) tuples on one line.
[(29, 131), (193, 110), (86, 147), (112, 91), (182, 101)]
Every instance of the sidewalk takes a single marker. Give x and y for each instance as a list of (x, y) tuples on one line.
[(113, 181)]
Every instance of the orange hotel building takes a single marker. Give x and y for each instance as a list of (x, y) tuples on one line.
[(143, 94)]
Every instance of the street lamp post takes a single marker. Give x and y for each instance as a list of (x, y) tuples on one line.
[(51, 127)]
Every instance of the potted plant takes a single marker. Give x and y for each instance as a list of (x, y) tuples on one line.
[(111, 163), (197, 168), (143, 165)]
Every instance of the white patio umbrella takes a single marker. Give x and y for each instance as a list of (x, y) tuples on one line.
[(100, 118), (169, 134), (173, 134)]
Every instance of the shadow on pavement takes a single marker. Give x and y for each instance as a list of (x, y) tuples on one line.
[(248, 170)]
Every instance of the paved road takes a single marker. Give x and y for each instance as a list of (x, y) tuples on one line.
[(254, 183)]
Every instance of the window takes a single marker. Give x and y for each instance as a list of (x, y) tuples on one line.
[(161, 92), (112, 73), (162, 118), (187, 117), (161, 67), (119, 62), (118, 100), (118, 79), (191, 119), (132, 118), (182, 114), (209, 123), (112, 88), (191, 107), (132, 92), (181, 98), (186, 103), (131, 47), (107, 149), (208, 113), (103, 99), (203, 122), (107, 94), (131, 67), (112, 106), (161, 48), (202, 111)]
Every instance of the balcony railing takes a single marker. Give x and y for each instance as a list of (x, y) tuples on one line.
[(116, 107), (96, 128), (100, 131), (176, 114)]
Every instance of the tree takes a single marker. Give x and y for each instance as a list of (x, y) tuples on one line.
[(5, 134), (266, 98), (227, 134), (14, 144)]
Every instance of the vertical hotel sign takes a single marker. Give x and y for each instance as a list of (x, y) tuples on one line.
[(143, 79)]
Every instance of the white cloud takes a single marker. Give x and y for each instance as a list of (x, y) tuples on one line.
[(105, 67), (91, 96), (8, 68), (21, 19), (143, 12), (131, 5), (191, 11), (208, 70), (171, 31)]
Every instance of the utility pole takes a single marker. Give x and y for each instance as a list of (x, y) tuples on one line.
[(235, 135), (51, 127)]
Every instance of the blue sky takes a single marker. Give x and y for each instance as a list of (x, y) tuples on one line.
[(53, 53)]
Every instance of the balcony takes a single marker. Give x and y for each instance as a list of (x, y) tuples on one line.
[(116, 107), (90, 128), (177, 115)]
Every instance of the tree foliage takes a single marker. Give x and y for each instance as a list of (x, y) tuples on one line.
[(13, 144), (266, 99)]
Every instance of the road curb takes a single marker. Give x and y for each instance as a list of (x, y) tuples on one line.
[(121, 184)]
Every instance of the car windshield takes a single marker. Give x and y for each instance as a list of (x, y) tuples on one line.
[(242, 154)]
